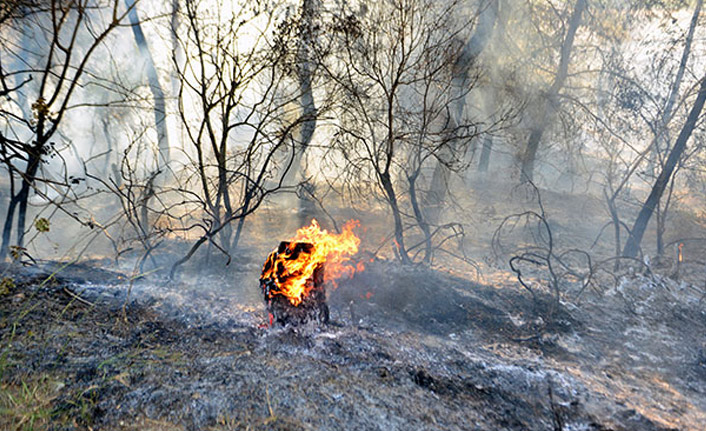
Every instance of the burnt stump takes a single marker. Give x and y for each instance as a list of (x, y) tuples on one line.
[(313, 306)]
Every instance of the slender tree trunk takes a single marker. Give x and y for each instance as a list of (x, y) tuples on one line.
[(20, 199), (419, 216), (615, 220), (551, 99), (33, 160), (386, 182), (674, 91), (7, 227), (659, 218), (109, 146), (663, 211), (241, 221), (177, 59), (305, 72), (461, 68), (485, 154), (530, 154), (160, 111), (632, 246), (224, 198), (665, 117), (24, 106), (23, 195)]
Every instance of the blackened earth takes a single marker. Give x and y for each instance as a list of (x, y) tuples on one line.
[(407, 349)]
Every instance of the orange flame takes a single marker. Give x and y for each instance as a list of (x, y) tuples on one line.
[(294, 275)]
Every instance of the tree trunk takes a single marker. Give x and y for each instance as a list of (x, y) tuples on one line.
[(485, 154), (530, 154), (304, 69), (386, 182), (665, 117), (33, 160), (674, 91), (160, 111), (461, 68), (305, 72), (633, 244), (20, 199), (550, 101), (241, 222), (308, 106), (223, 198), (615, 220), (175, 81), (7, 227), (419, 216), (23, 195)]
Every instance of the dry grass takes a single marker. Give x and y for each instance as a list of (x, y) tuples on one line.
[(28, 405)]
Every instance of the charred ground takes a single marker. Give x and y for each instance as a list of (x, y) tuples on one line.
[(409, 348)]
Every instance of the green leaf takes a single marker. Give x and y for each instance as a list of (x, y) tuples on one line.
[(42, 224)]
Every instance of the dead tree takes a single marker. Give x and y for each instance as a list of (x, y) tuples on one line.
[(632, 246), (661, 138), (550, 98), (527, 238), (243, 123), (160, 110), (302, 31), (390, 69), (68, 34), (461, 70)]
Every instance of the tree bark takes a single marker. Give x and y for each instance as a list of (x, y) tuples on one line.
[(160, 111), (461, 68), (23, 196), (7, 227), (666, 116), (633, 243), (305, 72), (485, 154), (550, 100), (386, 183)]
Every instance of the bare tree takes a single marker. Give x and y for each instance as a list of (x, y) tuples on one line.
[(461, 86), (392, 72), (633, 244), (68, 34), (302, 30), (234, 107), (160, 110), (549, 102)]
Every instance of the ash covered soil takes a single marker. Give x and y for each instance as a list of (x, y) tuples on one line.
[(409, 348)]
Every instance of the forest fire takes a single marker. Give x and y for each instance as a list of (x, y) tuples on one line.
[(295, 275)]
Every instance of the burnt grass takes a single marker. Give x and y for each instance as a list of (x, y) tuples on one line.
[(407, 349)]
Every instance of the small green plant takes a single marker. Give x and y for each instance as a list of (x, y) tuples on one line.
[(28, 406), (16, 252), (42, 224), (7, 285)]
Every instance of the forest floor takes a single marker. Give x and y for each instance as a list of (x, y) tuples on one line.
[(409, 348), (457, 346)]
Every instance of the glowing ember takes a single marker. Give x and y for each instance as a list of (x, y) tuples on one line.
[(292, 269)]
